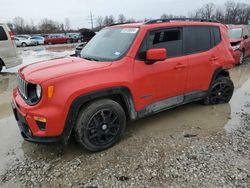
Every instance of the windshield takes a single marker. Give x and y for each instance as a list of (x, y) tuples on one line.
[(235, 33), (109, 44)]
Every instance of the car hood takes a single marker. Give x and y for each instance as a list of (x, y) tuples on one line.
[(45, 70), (235, 40)]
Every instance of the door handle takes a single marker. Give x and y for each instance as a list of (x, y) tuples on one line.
[(180, 66), (213, 58)]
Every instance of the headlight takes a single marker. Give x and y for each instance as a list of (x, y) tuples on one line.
[(236, 47), (38, 91)]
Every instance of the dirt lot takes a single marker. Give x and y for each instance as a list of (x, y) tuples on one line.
[(189, 146)]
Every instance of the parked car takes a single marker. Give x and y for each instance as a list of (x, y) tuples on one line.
[(38, 39), (79, 49), (8, 52), (57, 39), (240, 40), (25, 41), (75, 37), (125, 72), (86, 34)]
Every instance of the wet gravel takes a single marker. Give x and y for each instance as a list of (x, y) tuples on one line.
[(219, 160)]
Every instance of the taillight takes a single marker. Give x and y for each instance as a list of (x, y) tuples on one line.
[(11, 35)]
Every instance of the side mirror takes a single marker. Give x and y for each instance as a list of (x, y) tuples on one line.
[(245, 37), (157, 54)]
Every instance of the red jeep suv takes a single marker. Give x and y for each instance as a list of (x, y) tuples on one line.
[(124, 73)]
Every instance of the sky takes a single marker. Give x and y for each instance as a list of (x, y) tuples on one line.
[(78, 11)]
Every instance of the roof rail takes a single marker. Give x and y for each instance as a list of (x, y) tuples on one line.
[(180, 19), (121, 23)]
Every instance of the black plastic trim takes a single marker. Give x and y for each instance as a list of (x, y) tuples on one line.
[(83, 99)]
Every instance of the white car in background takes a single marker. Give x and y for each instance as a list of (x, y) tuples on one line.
[(25, 41), (38, 39), (8, 52)]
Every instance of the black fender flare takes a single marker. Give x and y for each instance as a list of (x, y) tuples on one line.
[(79, 101), (219, 72)]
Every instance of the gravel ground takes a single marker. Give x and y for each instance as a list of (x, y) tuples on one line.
[(188, 160)]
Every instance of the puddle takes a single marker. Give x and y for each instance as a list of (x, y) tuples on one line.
[(41, 53)]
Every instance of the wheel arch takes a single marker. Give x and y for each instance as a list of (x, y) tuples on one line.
[(2, 62), (218, 73), (121, 95)]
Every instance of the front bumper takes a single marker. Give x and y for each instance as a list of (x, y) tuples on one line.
[(26, 131)]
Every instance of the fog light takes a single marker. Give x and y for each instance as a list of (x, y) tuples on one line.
[(40, 119)]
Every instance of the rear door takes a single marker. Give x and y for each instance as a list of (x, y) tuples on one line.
[(201, 55)]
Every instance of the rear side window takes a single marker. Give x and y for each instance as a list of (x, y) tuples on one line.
[(3, 35), (216, 37), (171, 39), (197, 39)]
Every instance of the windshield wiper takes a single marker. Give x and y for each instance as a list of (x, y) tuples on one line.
[(90, 58)]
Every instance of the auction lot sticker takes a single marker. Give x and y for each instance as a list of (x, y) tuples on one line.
[(129, 30)]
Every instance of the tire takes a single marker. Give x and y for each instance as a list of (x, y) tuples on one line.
[(23, 44), (1, 66), (241, 58), (220, 91), (100, 125)]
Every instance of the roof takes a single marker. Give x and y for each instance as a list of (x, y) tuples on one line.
[(169, 22)]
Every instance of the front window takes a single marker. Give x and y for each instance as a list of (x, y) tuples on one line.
[(109, 44), (235, 33)]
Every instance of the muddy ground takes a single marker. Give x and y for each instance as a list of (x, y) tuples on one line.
[(189, 146)]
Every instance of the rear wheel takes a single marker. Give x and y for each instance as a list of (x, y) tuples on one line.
[(221, 91), (100, 125)]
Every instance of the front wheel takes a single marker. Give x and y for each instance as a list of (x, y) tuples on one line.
[(221, 91), (100, 125), (24, 44)]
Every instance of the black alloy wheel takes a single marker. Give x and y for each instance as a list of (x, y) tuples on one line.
[(220, 92)]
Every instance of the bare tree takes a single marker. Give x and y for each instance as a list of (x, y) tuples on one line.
[(19, 24), (109, 20), (232, 10), (121, 18), (49, 26), (100, 22)]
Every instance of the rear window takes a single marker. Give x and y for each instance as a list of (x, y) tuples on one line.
[(3, 35), (216, 35), (198, 39)]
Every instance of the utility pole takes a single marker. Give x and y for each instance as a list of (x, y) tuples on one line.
[(91, 19)]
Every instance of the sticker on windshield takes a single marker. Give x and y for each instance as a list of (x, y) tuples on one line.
[(117, 53), (129, 30)]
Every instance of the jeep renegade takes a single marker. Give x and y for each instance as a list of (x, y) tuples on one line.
[(124, 73)]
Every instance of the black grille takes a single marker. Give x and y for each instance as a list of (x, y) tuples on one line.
[(22, 87)]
